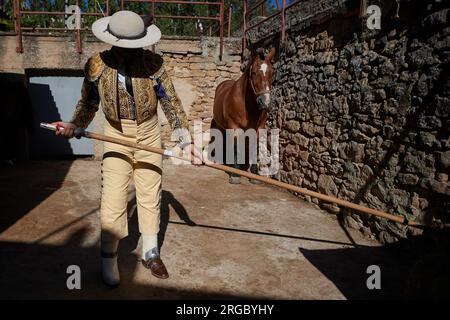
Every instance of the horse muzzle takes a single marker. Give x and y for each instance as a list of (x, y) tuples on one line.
[(263, 101)]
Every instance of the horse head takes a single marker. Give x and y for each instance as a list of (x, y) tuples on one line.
[(260, 75)]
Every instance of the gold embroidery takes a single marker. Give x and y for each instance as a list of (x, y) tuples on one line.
[(173, 109), (101, 71), (108, 93), (125, 103), (94, 68)]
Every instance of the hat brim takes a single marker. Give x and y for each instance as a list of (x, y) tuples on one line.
[(100, 30)]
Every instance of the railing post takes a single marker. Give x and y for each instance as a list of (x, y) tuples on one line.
[(283, 21), (19, 48), (244, 37), (121, 4), (154, 19), (153, 9), (222, 19), (230, 13), (362, 8), (107, 7), (278, 5), (15, 14), (78, 26)]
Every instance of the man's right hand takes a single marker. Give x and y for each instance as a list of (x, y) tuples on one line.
[(65, 129)]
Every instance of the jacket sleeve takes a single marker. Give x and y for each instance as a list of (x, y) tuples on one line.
[(171, 106), (87, 106)]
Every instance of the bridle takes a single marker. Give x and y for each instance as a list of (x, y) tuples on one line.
[(260, 93)]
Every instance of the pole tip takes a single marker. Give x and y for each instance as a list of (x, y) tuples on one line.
[(48, 126)]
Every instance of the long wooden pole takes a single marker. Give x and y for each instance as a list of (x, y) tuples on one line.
[(327, 198)]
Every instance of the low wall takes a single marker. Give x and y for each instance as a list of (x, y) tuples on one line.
[(194, 65)]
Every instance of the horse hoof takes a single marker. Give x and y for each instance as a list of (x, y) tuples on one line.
[(253, 181), (235, 180)]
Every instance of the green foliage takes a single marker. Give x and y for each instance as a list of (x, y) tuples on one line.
[(168, 25)]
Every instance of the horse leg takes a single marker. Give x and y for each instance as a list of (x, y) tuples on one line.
[(254, 166), (245, 166), (235, 178), (260, 125), (213, 125)]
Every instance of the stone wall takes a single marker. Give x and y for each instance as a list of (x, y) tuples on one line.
[(197, 74), (194, 65), (364, 116)]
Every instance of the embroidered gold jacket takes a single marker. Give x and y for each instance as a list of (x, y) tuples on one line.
[(150, 82)]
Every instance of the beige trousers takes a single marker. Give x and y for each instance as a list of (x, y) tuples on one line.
[(119, 165)]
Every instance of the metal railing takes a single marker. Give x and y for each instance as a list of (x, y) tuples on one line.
[(18, 13), (19, 28), (281, 10), (219, 18), (226, 20), (261, 5)]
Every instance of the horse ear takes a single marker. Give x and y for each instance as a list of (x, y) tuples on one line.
[(271, 55)]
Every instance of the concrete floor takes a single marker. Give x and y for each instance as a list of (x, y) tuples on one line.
[(218, 240)]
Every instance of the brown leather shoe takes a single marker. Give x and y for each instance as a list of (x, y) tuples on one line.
[(157, 267)]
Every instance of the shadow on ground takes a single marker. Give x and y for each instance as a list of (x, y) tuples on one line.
[(418, 268), (414, 268), (24, 186), (25, 277)]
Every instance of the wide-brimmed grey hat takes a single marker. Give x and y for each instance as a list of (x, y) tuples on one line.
[(127, 29)]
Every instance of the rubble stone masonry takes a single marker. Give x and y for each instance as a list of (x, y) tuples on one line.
[(364, 115)]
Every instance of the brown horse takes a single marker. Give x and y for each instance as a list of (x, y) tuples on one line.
[(244, 103)]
